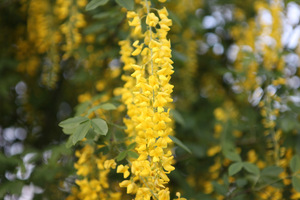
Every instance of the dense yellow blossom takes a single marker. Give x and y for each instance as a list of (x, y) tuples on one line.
[(94, 169), (146, 93)]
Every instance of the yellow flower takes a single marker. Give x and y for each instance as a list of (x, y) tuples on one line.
[(164, 194), (138, 49), (147, 93), (84, 97), (123, 169), (110, 164), (252, 156), (143, 194), (179, 196), (220, 114), (151, 19), (213, 150)]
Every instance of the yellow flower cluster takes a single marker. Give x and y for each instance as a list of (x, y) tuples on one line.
[(146, 93), (40, 25), (69, 12), (246, 42), (44, 36), (263, 39), (271, 193), (42, 39), (94, 170), (272, 59)]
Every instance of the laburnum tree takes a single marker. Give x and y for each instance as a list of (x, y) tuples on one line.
[(149, 99)]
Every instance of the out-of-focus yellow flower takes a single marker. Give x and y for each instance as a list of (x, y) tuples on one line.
[(84, 97), (110, 164), (213, 150)]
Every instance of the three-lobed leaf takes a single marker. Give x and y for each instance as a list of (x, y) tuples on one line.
[(94, 4), (249, 167)]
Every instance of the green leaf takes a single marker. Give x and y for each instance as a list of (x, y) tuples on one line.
[(72, 122), (233, 156), (117, 126), (235, 168), (105, 15), (93, 28), (179, 143), (288, 123), (99, 126), (271, 171), (220, 189), (103, 150), (177, 117), (94, 4), (225, 180), (8, 163), (81, 131), (108, 106), (91, 134), (228, 150), (251, 168), (128, 4), (133, 154), (295, 163), (131, 146), (122, 155), (241, 182), (12, 187), (296, 183), (81, 108), (68, 131), (69, 143)]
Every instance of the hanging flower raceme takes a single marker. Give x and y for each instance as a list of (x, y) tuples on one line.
[(263, 41), (146, 93), (94, 169), (69, 12)]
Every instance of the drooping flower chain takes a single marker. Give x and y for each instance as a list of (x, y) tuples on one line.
[(146, 93)]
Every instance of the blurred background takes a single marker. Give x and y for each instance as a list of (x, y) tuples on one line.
[(236, 93)]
